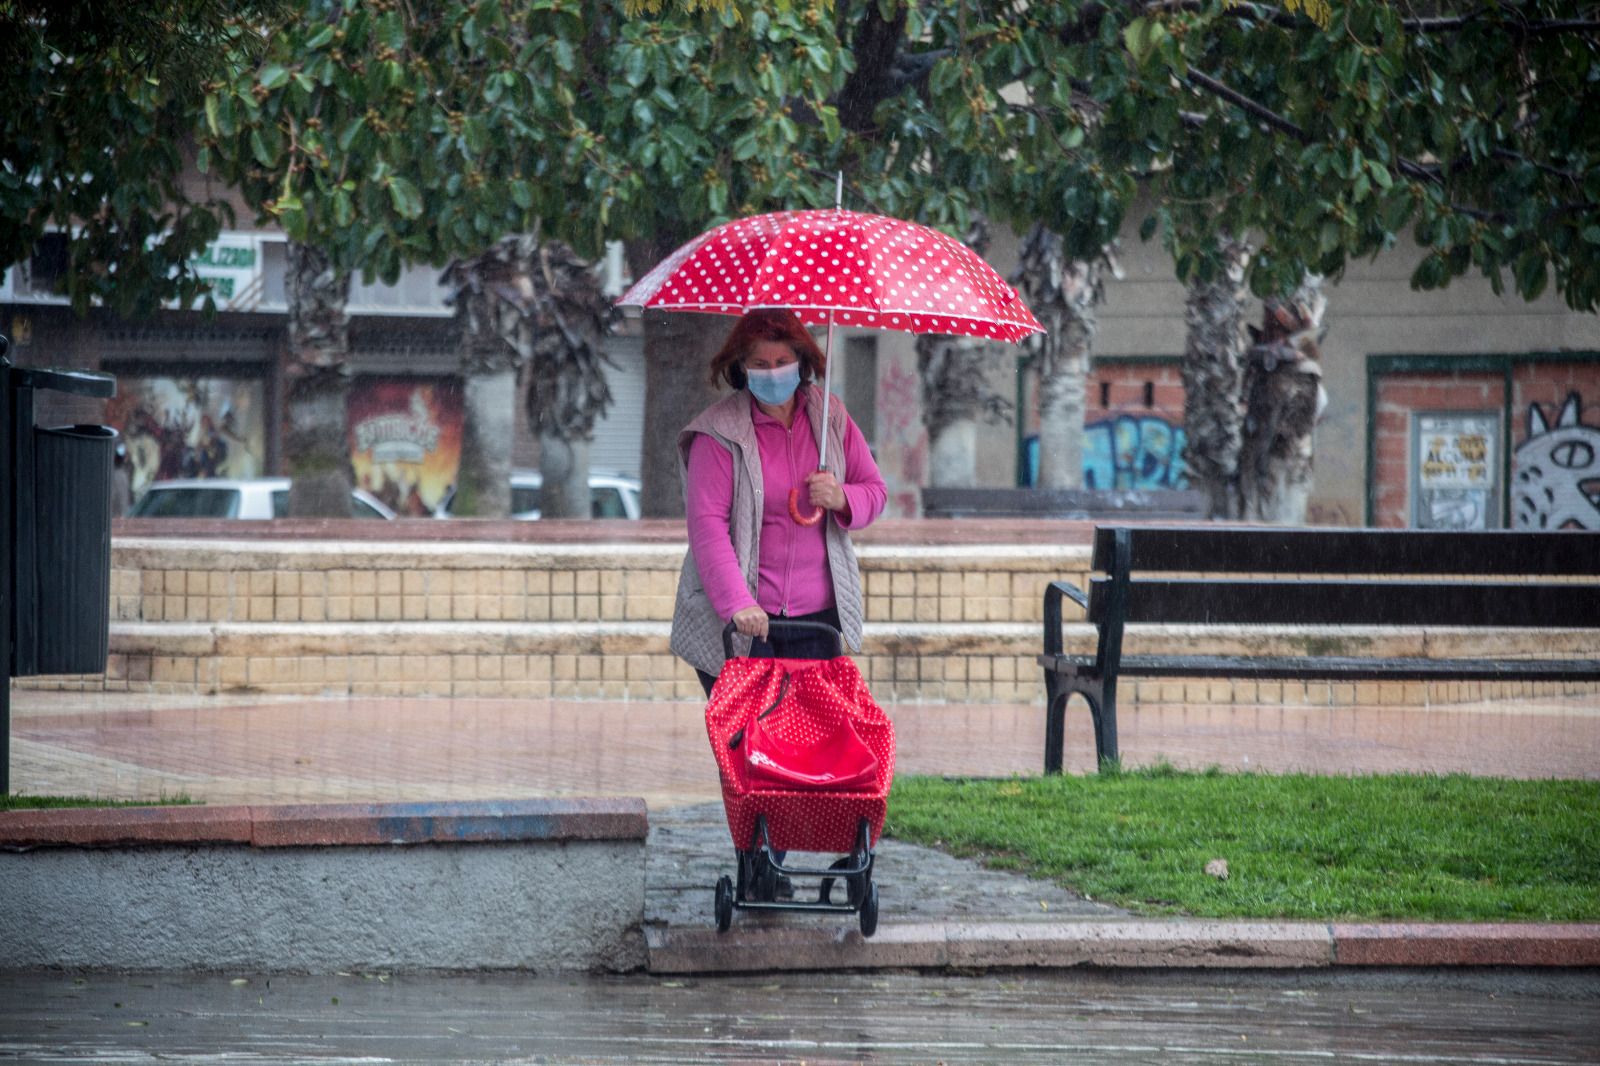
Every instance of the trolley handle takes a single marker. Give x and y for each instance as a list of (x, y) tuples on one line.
[(785, 623)]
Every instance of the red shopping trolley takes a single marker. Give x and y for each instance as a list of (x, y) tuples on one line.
[(806, 757)]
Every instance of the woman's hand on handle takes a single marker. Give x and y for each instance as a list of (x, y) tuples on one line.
[(825, 491), (825, 494), (752, 622)]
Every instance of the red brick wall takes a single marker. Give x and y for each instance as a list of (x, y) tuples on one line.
[(1124, 383), (1401, 395), (1546, 383)]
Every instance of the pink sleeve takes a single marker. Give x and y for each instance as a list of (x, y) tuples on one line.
[(708, 500), (863, 485)]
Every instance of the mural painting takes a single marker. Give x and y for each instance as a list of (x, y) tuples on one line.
[(405, 440), (1557, 479), (176, 427)]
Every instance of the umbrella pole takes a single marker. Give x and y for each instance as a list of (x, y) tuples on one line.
[(827, 391)]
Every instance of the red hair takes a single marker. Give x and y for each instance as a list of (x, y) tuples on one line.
[(766, 324)]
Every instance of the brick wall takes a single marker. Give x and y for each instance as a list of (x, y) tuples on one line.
[(1556, 385)]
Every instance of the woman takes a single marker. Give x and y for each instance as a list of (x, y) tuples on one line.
[(749, 559)]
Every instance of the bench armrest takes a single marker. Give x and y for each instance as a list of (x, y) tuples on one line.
[(1052, 612)]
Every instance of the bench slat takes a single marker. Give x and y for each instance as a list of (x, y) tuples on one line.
[(1245, 602), (1335, 668), (1224, 549)]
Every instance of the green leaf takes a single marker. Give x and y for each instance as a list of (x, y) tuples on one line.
[(259, 149), (273, 76), (348, 134), (212, 121), (1531, 275), (634, 67), (321, 39), (1147, 228), (1142, 37), (830, 123), (1592, 234), (405, 198)]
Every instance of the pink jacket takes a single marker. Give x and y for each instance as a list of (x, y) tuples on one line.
[(793, 575)]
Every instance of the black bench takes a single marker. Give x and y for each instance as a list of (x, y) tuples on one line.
[(1226, 575)]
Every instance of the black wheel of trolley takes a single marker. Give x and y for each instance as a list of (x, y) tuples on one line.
[(724, 903), (869, 911)]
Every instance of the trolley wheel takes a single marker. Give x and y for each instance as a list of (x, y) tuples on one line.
[(724, 903), (869, 911)]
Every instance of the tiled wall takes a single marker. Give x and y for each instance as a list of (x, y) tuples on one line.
[(950, 623)]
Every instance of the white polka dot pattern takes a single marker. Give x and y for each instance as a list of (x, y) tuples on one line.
[(871, 271), (825, 700)]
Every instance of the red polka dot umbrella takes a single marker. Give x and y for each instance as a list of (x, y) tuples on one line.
[(868, 271), (838, 267)]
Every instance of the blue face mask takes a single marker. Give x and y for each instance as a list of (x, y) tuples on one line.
[(774, 387)]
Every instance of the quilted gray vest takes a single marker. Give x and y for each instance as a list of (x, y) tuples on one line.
[(696, 626)]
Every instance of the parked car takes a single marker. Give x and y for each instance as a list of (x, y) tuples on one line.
[(610, 496), (261, 497)]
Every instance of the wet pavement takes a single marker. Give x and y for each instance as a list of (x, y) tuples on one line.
[(1418, 1018), (256, 750), (225, 750)]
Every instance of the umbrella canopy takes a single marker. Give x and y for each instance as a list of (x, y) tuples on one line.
[(838, 267)]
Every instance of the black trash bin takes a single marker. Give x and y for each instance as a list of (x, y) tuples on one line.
[(72, 548)]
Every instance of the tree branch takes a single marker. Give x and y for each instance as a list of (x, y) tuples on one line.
[(1249, 106)]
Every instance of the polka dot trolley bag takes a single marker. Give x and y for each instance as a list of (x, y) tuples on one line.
[(806, 757)]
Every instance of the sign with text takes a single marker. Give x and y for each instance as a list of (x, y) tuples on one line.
[(1456, 476)]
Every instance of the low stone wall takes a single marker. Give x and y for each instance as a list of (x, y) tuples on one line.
[(529, 885), (953, 619)]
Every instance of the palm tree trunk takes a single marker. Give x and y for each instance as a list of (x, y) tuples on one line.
[(316, 448), (1063, 294), (564, 466), (955, 396), (1213, 380), (1284, 397), (529, 304), (956, 393), (483, 483)]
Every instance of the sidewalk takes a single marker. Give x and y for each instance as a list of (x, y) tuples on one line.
[(937, 911)]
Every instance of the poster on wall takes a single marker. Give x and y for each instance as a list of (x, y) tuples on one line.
[(1455, 482), (178, 426), (405, 440)]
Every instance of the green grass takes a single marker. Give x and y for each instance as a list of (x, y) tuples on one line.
[(17, 803), (1383, 847)]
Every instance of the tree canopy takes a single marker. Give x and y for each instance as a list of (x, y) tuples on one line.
[(1324, 130), (100, 100)]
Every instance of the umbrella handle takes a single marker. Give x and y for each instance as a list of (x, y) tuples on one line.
[(794, 510)]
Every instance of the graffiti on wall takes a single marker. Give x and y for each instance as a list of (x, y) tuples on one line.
[(1133, 452), (1557, 479), (1124, 452)]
